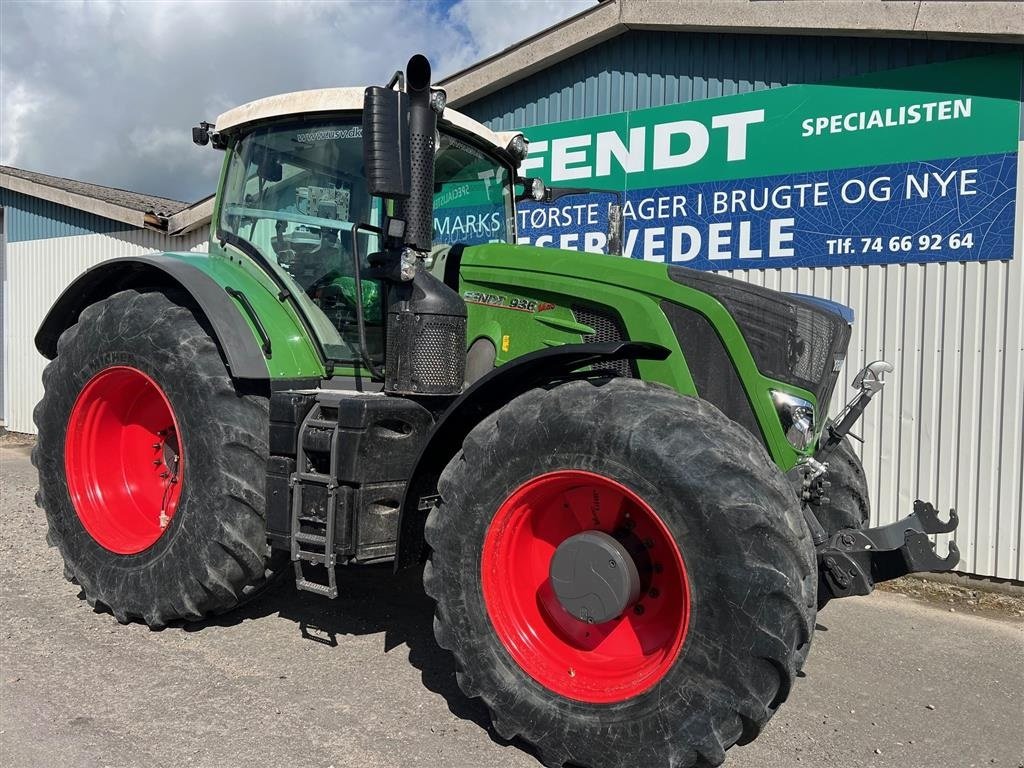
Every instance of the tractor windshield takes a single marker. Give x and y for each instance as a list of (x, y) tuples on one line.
[(472, 196), (295, 192)]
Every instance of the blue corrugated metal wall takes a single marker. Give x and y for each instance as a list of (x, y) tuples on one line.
[(30, 218), (643, 69)]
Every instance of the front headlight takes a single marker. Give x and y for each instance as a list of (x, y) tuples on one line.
[(797, 418)]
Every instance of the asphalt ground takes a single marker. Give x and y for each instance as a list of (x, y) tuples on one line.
[(295, 680)]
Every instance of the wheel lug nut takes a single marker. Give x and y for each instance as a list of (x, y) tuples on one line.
[(638, 609), (649, 543), (611, 564), (653, 592)]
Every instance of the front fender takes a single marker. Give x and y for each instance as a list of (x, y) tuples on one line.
[(485, 396)]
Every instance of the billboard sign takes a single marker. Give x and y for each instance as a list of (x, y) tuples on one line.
[(911, 165)]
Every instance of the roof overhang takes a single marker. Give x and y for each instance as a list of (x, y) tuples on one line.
[(188, 220), (325, 100), (192, 218), (990, 21), (81, 202)]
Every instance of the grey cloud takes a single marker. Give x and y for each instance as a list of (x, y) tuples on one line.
[(107, 92)]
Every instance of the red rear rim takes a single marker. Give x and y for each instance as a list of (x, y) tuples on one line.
[(596, 663), (123, 460)]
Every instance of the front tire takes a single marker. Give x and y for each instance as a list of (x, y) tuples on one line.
[(848, 504), (151, 464), (702, 658)]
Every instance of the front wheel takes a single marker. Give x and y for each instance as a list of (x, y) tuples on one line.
[(151, 464), (847, 504), (622, 574)]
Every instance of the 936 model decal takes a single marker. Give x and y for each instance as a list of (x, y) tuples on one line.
[(506, 302)]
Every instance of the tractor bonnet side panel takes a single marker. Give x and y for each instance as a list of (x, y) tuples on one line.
[(523, 299)]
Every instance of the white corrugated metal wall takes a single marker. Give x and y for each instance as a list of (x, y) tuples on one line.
[(949, 426), (36, 273)]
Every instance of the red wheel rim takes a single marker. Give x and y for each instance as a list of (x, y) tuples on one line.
[(596, 663), (123, 460)]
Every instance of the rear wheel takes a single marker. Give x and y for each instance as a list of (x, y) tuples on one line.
[(622, 574), (151, 464)]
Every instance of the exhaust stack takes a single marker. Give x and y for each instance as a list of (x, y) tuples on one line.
[(418, 208), (426, 328)]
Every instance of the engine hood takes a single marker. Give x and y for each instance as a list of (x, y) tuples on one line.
[(842, 310)]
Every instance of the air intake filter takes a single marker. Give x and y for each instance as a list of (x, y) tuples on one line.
[(426, 349)]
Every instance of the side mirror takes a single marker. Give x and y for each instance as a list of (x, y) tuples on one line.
[(386, 142)]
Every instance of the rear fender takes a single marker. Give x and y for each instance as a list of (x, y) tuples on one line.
[(239, 332), (484, 397)]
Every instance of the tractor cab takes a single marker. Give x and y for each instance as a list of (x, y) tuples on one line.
[(295, 196)]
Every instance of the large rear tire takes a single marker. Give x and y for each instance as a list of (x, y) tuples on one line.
[(704, 652), (151, 464)]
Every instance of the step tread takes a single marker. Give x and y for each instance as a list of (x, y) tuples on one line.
[(322, 423), (320, 589), (314, 477)]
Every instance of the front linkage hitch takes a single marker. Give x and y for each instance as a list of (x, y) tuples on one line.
[(853, 561)]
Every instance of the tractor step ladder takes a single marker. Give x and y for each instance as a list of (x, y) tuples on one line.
[(317, 548)]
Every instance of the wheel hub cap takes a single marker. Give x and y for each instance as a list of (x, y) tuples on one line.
[(594, 577)]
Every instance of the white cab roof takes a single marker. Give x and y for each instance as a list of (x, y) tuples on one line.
[(338, 100)]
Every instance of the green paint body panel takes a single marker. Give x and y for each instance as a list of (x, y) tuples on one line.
[(293, 352), (634, 289)]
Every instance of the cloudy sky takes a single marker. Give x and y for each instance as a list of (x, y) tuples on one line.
[(107, 92)]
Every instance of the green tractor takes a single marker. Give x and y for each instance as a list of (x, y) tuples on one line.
[(614, 474)]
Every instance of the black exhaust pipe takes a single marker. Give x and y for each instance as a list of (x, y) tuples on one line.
[(426, 334), (418, 208)]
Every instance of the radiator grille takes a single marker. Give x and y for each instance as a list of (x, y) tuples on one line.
[(789, 339), (712, 370)]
